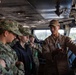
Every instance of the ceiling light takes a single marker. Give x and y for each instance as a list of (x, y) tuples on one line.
[(33, 26), (19, 13), (27, 17), (3, 17), (0, 1), (26, 26)]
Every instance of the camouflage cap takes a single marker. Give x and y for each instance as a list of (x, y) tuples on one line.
[(10, 26), (31, 35), (54, 23), (24, 30)]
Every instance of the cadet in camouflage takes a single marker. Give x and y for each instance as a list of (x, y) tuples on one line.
[(24, 52), (36, 50), (8, 57)]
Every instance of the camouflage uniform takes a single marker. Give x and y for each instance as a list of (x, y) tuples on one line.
[(6, 53), (35, 51), (35, 54), (13, 42), (56, 61)]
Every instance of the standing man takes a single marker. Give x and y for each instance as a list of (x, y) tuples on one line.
[(55, 51), (36, 49), (8, 57), (24, 52)]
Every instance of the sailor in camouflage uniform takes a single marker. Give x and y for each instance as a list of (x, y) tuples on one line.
[(55, 51), (8, 57), (36, 49)]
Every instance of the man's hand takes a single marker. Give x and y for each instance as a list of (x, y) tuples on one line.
[(33, 45), (20, 65), (2, 63), (60, 50)]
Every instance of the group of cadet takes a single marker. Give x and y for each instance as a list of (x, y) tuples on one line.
[(17, 59), (21, 58)]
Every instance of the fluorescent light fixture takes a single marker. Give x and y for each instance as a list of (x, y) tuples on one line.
[(49, 16), (0, 1), (33, 26), (26, 26), (46, 10)]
